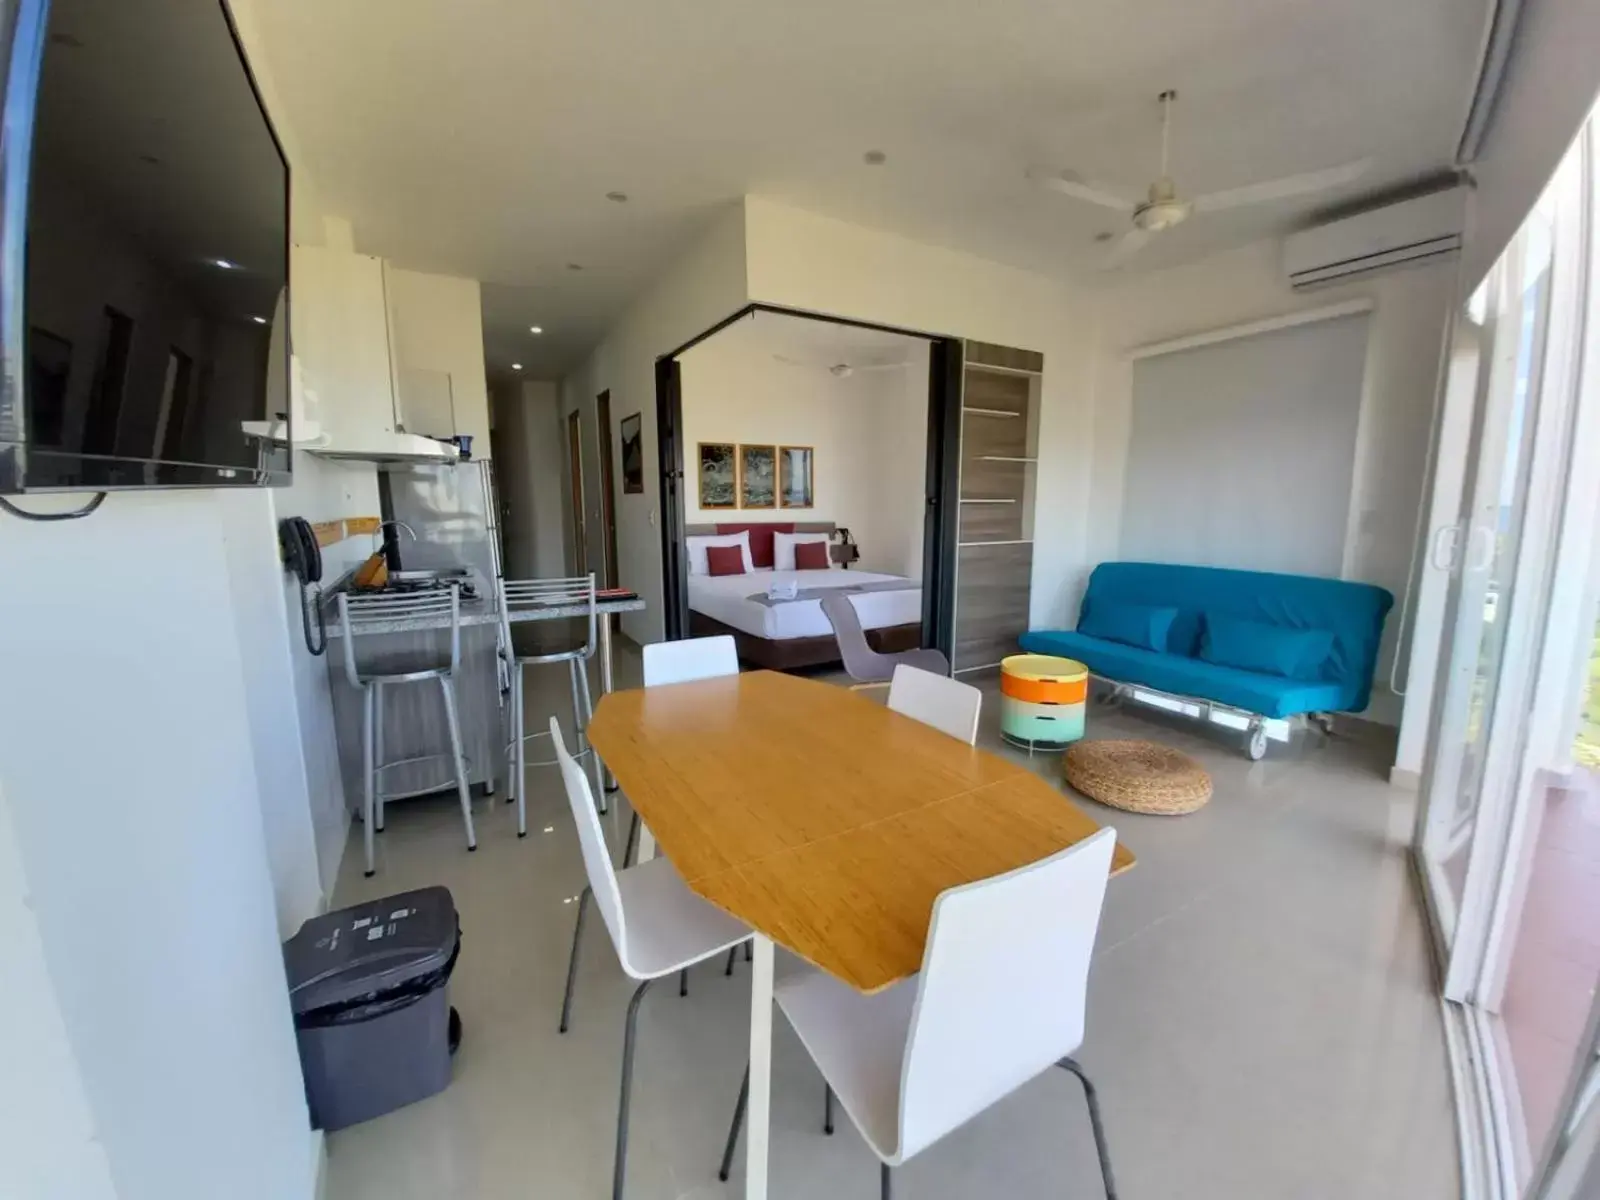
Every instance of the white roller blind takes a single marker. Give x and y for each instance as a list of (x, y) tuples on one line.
[(1241, 452)]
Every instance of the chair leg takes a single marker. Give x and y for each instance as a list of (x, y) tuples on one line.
[(733, 957), (519, 756), (884, 1186), (827, 1109), (750, 951), (369, 780), (621, 1168), (377, 755), (448, 687), (683, 982), (735, 1125), (1101, 1148), (733, 1129), (572, 962), (632, 847)]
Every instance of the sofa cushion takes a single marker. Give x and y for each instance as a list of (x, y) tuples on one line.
[(1268, 695), (1141, 625), (1270, 649)]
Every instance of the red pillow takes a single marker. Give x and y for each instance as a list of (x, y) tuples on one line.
[(725, 560), (811, 556)]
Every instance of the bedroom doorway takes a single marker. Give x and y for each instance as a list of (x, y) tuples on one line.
[(785, 428)]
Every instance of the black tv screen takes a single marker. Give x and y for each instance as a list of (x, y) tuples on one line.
[(149, 252)]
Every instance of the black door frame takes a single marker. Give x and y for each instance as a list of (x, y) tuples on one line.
[(941, 486)]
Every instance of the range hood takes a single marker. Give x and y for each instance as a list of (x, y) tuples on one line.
[(386, 447)]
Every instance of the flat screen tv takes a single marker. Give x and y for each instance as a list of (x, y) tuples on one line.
[(144, 252)]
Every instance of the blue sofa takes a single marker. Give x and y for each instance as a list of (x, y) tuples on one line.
[(1271, 645)]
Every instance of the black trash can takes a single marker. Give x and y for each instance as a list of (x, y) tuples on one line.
[(371, 1011)]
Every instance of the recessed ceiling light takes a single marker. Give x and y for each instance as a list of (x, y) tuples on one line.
[(617, 197), (535, 328), (874, 158), (574, 266), (259, 320), (224, 264), (516, 366)]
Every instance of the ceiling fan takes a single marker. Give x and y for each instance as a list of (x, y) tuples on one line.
[(1163, 207), (839, 370)]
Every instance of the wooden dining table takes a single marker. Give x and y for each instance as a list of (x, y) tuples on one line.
[(826, 822)]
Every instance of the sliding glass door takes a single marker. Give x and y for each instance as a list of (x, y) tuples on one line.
[(1509, 841)]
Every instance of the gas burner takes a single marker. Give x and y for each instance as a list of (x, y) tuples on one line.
[(412, 587)]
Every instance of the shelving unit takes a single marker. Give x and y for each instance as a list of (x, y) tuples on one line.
[(999, 468)]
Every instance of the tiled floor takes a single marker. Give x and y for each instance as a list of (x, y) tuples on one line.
[(1262, 1019)]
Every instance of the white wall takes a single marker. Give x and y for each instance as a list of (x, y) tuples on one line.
[(127, 755), (528, 466), (703, 287), (48, 1146), (735, 391), (437, 321), (816, 263), (1247, 284)]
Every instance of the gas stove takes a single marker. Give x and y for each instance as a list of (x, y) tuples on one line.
[(416, 587)]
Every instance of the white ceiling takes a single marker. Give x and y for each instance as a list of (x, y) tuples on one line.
[(806, 343), (481, 137)]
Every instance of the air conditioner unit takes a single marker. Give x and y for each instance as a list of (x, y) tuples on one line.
[(1413, 231)]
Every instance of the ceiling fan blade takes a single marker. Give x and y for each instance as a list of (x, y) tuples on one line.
[(1070, 183), (1284, 189), (1127, 246)]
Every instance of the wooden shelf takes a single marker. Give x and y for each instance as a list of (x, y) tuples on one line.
[(985, 500), (996, 369), (999, 542), (990, 412), (1005, 458)]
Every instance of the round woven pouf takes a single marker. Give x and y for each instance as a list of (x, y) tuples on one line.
[(1139, 777)]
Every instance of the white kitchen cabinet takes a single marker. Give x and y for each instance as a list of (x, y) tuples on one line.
[(341, 337)]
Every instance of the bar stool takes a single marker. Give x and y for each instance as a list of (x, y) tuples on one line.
[(550, 598), (370, 615)]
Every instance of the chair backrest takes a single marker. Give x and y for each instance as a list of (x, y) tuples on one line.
[(592, 841), (690, 659), (369, 613), (1004, 983), (861, 662), (536, 595), (949, 705)]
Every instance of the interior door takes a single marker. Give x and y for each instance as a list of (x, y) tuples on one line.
[(608, 512), (580, 538)]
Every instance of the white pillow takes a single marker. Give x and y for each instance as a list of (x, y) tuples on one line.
[(697, 550), (783, 545)]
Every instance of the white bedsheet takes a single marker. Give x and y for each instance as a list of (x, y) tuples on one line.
[(725, 598)]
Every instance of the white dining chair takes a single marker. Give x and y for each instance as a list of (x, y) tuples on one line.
[(949, 705), (689, 659), (999, 1000), (682, 661), (657, 925)]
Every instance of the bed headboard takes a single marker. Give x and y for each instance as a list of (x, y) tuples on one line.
[(761, 533)]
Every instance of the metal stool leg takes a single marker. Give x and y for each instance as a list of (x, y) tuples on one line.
[(631, 847), (378, 759), (582, 717), (520, 750), (447, 686), (620, 1170), (368, 773), (827, 1109), (733, 957), (883, 1181)]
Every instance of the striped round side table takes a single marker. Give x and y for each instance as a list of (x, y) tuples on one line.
[(1042, 701)]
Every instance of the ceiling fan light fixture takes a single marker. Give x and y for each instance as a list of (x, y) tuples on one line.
[(1155, 215)]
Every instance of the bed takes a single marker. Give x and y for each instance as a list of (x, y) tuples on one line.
[(786, 635)]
